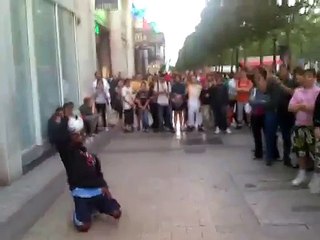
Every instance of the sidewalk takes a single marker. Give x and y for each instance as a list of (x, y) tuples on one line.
[(199, 187)]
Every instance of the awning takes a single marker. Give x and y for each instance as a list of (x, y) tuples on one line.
[(107, 4), (255, 61)]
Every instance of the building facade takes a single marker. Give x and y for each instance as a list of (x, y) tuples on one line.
[(114, 38), (47, 58), (121, 40), (149, 51)]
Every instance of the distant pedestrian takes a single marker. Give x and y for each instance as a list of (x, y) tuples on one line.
[(219, 99), (102, 97), (128, 106)]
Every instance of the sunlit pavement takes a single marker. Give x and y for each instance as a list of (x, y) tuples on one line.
[(196, 187)]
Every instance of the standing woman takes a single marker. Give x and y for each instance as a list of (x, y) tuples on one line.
[(101, 97), (194, 114), (257, 102), (118, 102), (178, 93)]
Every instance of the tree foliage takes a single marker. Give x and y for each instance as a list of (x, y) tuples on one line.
[(251, 25)]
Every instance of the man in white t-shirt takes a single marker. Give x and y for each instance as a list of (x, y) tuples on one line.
[(163, 89), (101, 97), (106, 84), (128, 105)]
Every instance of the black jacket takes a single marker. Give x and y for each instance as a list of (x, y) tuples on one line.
[(316, 113), (219, 95), (83, 169)]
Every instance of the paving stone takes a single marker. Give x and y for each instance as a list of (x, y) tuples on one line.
[(171, 190)]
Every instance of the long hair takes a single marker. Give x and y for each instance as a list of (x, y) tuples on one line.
[(100, 80)]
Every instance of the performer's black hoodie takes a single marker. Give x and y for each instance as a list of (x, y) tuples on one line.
[(83, 169)]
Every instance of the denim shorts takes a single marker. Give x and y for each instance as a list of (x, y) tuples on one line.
[(86, 207)]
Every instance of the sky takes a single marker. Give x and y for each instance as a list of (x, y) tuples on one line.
[(176, 18)]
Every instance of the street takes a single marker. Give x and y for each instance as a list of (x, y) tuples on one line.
[(197, 187)]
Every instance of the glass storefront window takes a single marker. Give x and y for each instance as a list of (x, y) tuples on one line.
[(46, 59), (68, 56), (22, 73)]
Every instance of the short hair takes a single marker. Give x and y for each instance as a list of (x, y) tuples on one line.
[(298, 71), (68, 104), (126, 80), (86, 99), (284, 66), (311, 71), (263, 72), (59, 109)]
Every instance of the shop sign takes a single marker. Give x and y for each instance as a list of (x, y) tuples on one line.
[(107, 4), (149, 36)]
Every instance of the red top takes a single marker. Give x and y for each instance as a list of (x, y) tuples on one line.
[(167, 77)]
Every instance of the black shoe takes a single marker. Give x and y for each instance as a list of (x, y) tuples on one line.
[(257, 157), (287, 162), (310, 169), (269, 164), (190, 129), (200, 129)]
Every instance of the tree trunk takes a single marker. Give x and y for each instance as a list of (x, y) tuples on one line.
[(231, 63), (261, 52), (274, 64), (245, 55), (288, 40), (237, 58)]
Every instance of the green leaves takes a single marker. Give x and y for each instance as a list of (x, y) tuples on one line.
[(244, 23)]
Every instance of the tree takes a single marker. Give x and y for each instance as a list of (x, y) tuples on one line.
[(249, 23)]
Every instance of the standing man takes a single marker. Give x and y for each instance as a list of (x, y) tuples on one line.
[(101, 90), (219, 98), (285, 118), (163, 89)]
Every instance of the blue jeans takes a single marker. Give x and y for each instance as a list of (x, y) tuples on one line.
[(164, 115), (271, 127), (145, 119)]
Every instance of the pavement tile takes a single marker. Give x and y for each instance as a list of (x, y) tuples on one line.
[(168, 194)]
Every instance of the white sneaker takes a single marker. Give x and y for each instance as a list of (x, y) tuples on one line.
[(314, 184), (228, 131), (106, 129), (217, 131), (301, 178)]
